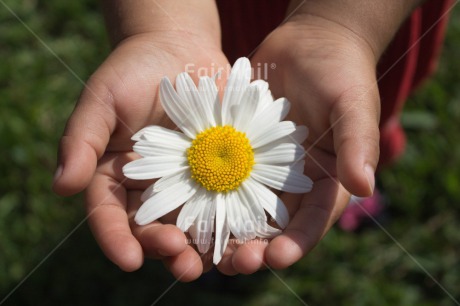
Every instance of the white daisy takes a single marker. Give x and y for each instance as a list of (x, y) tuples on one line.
[(223, 161)]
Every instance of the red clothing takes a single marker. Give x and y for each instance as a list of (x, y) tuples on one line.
[(415, 50), (410, 58)]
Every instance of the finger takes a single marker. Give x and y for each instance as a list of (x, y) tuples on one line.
[(354, 120), (225, 266), (106, 207), (317, 213), (249, 257), (186, 266), (160, 240), (207, 261), (85, 138)]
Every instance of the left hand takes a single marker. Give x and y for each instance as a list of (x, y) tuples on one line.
[(328, 74)]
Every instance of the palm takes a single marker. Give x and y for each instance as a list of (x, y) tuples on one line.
[(131, 76), (330, 83)]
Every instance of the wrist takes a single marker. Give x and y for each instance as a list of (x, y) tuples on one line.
[(374, 22), (173, 18)]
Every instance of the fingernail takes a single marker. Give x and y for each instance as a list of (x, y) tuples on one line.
[(57, 174), (370, 174)]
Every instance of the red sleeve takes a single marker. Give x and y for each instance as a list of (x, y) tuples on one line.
[(408, 61), (410, 58)]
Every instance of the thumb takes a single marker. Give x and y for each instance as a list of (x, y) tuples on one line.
[(355, 125), (85, 138)]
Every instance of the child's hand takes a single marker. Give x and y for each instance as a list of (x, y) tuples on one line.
[(326, 68), (120, 98)]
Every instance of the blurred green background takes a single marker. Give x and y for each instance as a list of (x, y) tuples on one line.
[(48, 256)]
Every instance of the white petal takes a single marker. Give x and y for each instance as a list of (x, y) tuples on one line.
[(149, 148), (238, 218), (265, 95), (222, 230), (190, 210), (278, 154), (165, 182), (298, 166), (162, 136), (210, 95), (274, 133), (261, 84), (237, 83), (148, 193), (271, 115), (171, 179), (217, 75), (154, 167), (300, 134), (196, 107), (246, 109), (176, 109), (282, 178), (270, 202), (232, 209), (205, 224), (165, 201), (248, 221), (266, 231), (138, 134), (253, 203)]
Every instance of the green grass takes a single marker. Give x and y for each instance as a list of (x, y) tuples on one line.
[(37, 94)]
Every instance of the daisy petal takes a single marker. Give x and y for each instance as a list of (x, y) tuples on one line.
[(210, 95), (270, 202), (300, 134), (297, 137), (265, 95), (248, 221), (222, 230), (238, 218), (261, 84), (171, 179), (138, 134), (246, 109), (176, 109), (237, 83), (217, 75), (233, 210), (148, 193), (266, 231), (164, 183), (162, 136), (196, 106), (155, 132), (274, 133), (253, 203), (298, 166), (165, 201), (270, 116), (190, 210), (148, 148), (278, 154), (154, 167), (204, 225), (282, 178)]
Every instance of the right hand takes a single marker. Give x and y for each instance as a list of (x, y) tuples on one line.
[(119, 99)]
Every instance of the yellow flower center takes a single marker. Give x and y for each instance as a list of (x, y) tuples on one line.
[(220, 158)]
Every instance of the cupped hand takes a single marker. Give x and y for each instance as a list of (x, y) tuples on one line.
[(119, 99), (328, 74)]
